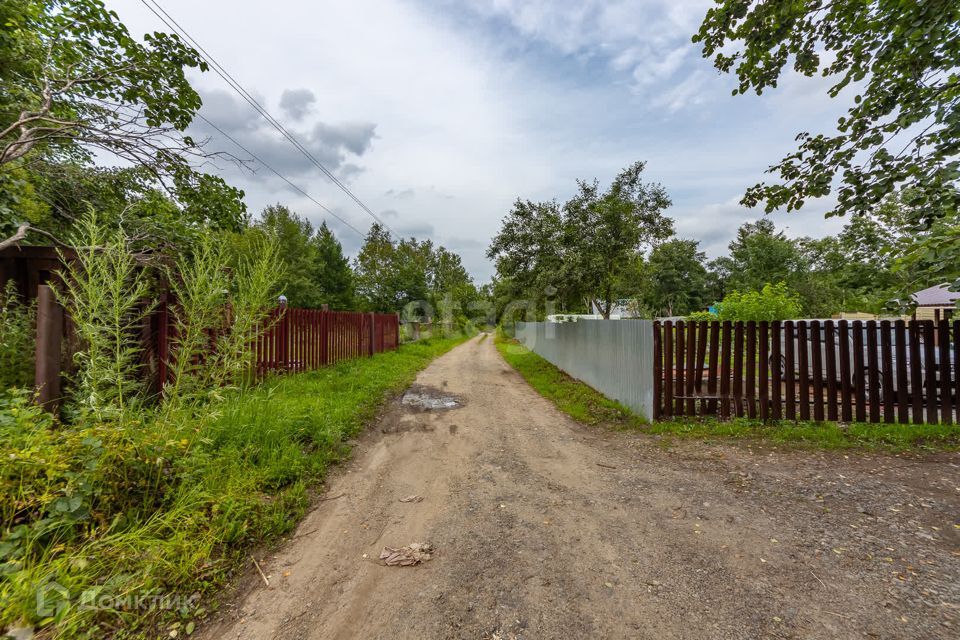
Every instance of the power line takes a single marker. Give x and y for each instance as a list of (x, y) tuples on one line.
[(278, 174), (172, 24)]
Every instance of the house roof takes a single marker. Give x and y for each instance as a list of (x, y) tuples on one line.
[(937, 296)]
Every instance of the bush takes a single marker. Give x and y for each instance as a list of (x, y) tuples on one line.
[(773, 302), (702, 316), (17, 331)]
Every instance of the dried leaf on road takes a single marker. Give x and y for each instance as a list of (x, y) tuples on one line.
[(413, 498)]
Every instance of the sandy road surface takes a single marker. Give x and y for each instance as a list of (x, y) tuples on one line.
[(548, 529)]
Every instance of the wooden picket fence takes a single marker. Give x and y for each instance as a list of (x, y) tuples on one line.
[(886, 371), (306, 339)]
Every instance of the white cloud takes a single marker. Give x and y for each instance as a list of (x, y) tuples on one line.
[(443, 112)]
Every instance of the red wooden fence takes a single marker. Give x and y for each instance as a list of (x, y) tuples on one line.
[(821, 370), (304, 339)]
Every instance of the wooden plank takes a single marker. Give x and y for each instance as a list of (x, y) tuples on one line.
[(903, 385), (859, 370), (725, 370), (751, 368), (930, 365), (916, 373), (887, 358), (956, 367), (816, 368), (702, 329), (763, 362), (657, 370), (668, 365), (776, 359), (803, 370), (830, 356), (713, 366), (846, 375), (691, 367), (943, 341), (873, 371), (47, 353), (738, 369), (681, 353), (789, 367)]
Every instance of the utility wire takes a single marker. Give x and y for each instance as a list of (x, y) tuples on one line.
[(278, 174), (172, 24)]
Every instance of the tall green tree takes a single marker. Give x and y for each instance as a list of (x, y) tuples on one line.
[(678, 278), (75, 83), (760, 255), (294, 238), (604, 230), (332, 272), (898, 62)]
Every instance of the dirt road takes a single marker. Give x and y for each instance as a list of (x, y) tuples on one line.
[(548, 529)]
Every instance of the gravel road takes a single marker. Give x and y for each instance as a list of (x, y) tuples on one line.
[(544, 528)]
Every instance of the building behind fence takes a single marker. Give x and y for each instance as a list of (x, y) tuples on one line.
[(613, 357)]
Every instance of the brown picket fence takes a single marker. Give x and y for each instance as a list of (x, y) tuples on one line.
[(306, 339), (873, 371)]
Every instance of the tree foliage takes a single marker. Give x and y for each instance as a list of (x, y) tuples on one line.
[(75, 83), (901, 61), (586, 249), (316, 271)]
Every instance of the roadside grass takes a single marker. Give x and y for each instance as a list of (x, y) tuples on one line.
[(586, 405), (243, 480), (571, 396)]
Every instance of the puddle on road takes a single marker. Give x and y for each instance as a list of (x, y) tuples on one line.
[(428, 399)]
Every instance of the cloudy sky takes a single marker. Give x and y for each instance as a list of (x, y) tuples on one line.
[(438, 114)]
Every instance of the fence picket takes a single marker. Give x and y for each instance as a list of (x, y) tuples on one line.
[(873, 372), (943, 338), (725, 371), (738, 369), (681, 343), (859, 387), (668, 368), (764, 364), (803, 370), (916, 377), (751, 369), (691, 367), (886, 355), (830, 355), (930, 362), (900, 348), (817, 369), (846, 377), (789, 367)]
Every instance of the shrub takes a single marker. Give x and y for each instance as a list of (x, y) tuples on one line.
[(773, 302), (17, 330)]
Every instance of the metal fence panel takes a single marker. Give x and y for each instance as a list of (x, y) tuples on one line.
[(615, 357)]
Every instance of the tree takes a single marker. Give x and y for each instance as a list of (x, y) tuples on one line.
[(332, 272), (78, 84), (678, 278), (528, 253), (584, 253), (603, 231), (294, 235), (760, 254), (900, 59)]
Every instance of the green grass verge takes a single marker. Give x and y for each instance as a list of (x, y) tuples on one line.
[(574, 398), (233, 480), (590, 407)]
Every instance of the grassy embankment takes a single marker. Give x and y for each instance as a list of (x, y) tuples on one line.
[(238, 478), (590, 407)]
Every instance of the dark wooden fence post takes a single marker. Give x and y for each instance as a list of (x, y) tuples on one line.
[(373, 333), (49, 338)]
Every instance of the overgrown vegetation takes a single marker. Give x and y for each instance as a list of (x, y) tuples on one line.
[(571, 396), (17, 331), (588, 406), (166, 503)]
